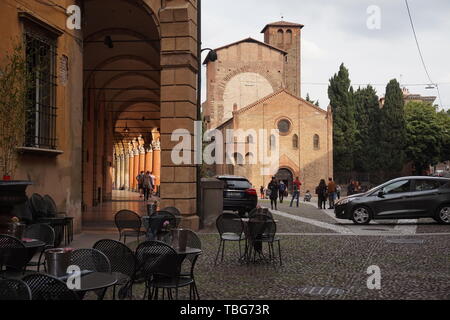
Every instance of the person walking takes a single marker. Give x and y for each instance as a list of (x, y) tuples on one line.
[(148, 185), (295, 195), (261, 190), (351, 188), (273, 187), (282, 191), (140, 182), (331, 193), (321, 191), (338, 191)]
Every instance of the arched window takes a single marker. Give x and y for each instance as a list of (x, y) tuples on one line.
[(280, 36), (316, 142), (250, 139), (238, 159), (295, 141), (289, 36), (273, 142), (249, 158)]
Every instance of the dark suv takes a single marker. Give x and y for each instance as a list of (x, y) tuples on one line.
[(402, 198), (238, 194)]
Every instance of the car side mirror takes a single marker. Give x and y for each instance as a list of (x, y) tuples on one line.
[(381, 194)]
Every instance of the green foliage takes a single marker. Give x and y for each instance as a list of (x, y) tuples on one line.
[(393, 130), (342, 102), (316, 103), (14, 80), (367, 117), (424, 135), (443, 119)]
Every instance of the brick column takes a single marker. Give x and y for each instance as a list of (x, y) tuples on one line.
[(126, 178), (149, 160), (178, 104), (130, 170), (141, 159), (135, 169)]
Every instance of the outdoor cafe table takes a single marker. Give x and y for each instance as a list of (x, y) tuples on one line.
[(93, 281), (32, 246)]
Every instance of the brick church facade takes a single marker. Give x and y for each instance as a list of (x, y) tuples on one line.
[(256, 85)]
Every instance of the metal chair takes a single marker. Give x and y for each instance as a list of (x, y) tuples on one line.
[(14, 289), (173, 211), (193, 241), (231, 228), (263, 229), (123, 264), (129, 224), (91, 260), (44, 233), (263, 211), (156, 225), (41, 214), (48, 288), (13, 254), (52, 210), (160, 266)]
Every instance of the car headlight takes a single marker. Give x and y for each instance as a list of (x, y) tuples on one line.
[(344, 201)]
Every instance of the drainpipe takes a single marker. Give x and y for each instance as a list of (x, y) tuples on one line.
[(199, 97)]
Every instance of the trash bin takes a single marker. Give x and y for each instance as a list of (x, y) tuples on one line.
[(58, 260), (179, 239)]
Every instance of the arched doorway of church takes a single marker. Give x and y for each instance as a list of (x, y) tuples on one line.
[(286, 176)]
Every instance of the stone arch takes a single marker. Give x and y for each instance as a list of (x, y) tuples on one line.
[(259, 70), (280, 36), (289, 36)]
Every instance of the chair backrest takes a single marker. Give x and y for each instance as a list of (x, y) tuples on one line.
[(13, 253), (42, 232), (90, 260), (156, 258), (172, 210), (230, 223), (262, 226), (52, 209), (263, 211), (45, 287), (167, 216), (121, 257), (38, 205), (126, 219), (14, 289)]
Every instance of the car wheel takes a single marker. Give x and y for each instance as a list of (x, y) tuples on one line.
[(443, 214), (361, 215)]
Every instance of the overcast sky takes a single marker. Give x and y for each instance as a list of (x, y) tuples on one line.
[(336, 31)]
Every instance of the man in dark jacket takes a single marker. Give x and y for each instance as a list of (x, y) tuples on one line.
[(273, 187)]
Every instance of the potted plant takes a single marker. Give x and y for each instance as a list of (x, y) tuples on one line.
[(15, 82), (14, 88)]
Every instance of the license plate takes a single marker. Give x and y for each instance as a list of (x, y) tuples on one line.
[(234, 195)]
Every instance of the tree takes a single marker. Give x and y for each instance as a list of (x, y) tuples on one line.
[(342, 103), (424, 135), (443, 119), (308, 99), (14, 85), (367, 118), (393, 130)]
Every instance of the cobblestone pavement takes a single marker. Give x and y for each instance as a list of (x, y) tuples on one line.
[(409, 271)]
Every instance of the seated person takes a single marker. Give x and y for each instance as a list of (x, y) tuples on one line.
[(308, 196)]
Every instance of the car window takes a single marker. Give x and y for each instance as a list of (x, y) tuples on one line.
[(238, 184), (427, 185), (398, 187)]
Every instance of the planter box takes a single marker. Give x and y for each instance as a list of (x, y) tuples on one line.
[(12, 193)]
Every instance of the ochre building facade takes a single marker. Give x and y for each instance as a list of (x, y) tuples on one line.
[(255, 86), (120, 85)]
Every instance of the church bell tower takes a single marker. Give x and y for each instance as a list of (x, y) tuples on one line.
[(287, 36)]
